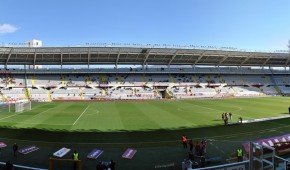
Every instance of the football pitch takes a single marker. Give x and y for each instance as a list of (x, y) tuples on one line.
[(153, 128), (141, 116)]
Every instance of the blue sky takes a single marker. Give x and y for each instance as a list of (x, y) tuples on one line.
[(244, 24)]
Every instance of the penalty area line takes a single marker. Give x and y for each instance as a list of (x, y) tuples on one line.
[(81, 115), (13, 115), (10, 116)]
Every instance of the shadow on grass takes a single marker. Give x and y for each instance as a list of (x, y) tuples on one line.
[(143, 138), (217, 120), (286, 113)]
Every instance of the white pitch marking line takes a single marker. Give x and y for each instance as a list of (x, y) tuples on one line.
[(10, 116), (17, 114), (221, 110), (43, 112), (13, 115), (37, 123), (36, 115), (81, 115)]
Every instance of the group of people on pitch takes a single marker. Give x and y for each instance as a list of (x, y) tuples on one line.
[(199, 152), (226, 116)]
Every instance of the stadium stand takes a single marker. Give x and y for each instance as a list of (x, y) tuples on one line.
[(141, 86)]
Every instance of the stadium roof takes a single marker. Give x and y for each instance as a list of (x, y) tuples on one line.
[(138, 56)]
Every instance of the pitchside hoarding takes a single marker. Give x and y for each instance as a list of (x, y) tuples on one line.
[(2, 145), (129, 153), (28, 149), (94, 154), (60, 153)]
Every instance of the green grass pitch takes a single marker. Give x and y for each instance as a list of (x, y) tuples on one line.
[(141, 116), (153, 128)]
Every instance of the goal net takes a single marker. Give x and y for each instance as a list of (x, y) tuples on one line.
[(20, 106)]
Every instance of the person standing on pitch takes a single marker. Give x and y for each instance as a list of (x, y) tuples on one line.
[(184, 141), (15, 149)]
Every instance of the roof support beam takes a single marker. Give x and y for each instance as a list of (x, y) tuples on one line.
[(8, 57), (89, 57), (34, 60), (225, 57), (190, 58), (118, 56), (146, 57), (246, 59), (61, 60), (199, 58), (266, 61), (4, 52), (287, 61), (172, 58)]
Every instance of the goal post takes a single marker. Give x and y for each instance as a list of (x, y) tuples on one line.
[(20, 106)]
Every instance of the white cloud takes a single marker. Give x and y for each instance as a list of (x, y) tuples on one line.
[(7, 28)]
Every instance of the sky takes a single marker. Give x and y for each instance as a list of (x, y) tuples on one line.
[(244, 24)]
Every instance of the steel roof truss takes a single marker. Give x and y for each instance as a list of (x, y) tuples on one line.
[(286, 63), (190, 58), (34, 59), (172, 58), (199, 58), (10, 53), (61, 59), (225, 57), (146, 57), (246, 59), (266, 61), (89, 57)]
